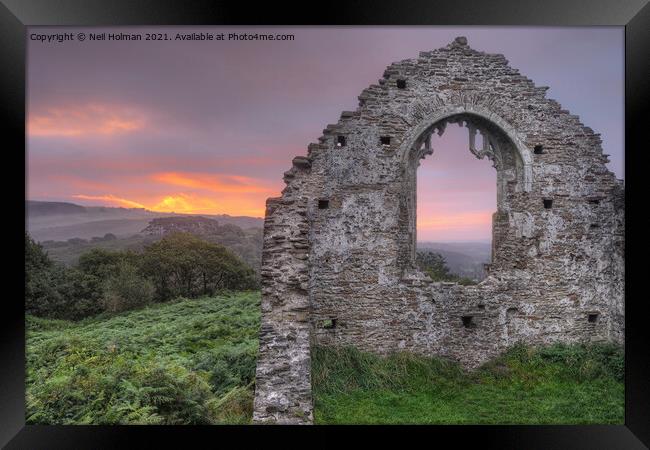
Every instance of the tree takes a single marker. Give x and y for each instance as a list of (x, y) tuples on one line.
[(52, 290), (81, 295), (62, 293), (105, 263), (35, 257), (127, 289), (181, 264), (36, 263), (434, 265)]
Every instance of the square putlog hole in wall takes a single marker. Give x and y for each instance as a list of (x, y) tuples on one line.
[(323, 204), (329, 324), (548, 203), (468, 322), (340, 141), (385, 140), (538, 149), (592, 317), (401, 84)]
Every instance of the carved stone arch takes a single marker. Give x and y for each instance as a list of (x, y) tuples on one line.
[(506, 150), (444, 112)]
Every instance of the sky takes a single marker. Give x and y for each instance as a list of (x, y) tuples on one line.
[(209, 127)]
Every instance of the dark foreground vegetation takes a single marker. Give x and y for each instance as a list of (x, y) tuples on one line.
[(192, 361)]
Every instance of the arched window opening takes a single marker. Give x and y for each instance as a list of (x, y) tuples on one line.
[(469, 194), (456, 199)]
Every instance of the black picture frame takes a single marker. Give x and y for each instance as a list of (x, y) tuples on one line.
[(634, 15)]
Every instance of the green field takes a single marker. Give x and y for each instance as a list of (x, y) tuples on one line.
[(193, 362)]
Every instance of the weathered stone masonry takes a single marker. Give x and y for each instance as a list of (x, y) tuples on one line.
[(339, 245)]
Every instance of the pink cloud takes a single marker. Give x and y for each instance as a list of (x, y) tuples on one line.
[(86, 119)]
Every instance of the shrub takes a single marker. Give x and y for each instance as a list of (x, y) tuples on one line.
[(126, 289), (178, 265), (165, 393), (35, 257), (38, 287)]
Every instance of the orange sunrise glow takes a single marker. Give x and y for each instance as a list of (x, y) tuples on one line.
[(183, 203), (216, 183), (210, 129), (111, 199)]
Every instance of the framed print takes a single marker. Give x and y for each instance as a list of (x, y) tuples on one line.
[(422, 218)]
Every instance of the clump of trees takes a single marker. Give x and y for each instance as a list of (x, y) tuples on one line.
[(183, 265), (178, 265), (52, 290), (434, 265)]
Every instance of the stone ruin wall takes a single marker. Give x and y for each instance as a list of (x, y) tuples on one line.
[(339, 245)]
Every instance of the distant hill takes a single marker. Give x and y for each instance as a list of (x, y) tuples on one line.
[(36, 208), (197, 225), (85, 230), (246, 243), (63, 221), (135, 233), (463, 258)]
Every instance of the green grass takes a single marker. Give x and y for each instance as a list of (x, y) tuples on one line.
[(193, 361), (555, 385)]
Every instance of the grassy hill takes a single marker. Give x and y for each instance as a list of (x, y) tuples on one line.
[(193, 361), (190, 361)]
